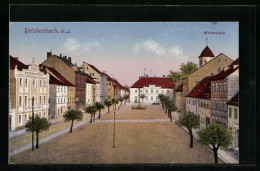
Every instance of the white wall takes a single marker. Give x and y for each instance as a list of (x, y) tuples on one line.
[(191, 105)]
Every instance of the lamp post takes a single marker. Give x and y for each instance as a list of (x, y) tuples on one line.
[(32, 124), (114, 135)]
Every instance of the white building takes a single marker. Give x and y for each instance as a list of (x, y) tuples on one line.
[(30, 83), (151, 87), (90, 91)]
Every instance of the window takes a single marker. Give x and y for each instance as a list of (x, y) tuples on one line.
[(151, 91), (224, 87), (216, 87), (156, 97), (220, 106), (157, 91), (40, 83), (225, 107), (219, 68), (58, 89), (151, 97), (216, 106), (40, 100), (20, 119), (64, 100), (141, 91), (20, 100), (21, 82), (61, 89), (25, 100), (168, 91), (26, 84), (146, 91), (162, 91), (230, 112), (220, 87), (146, 98), (33, 82), (58, 100), (212, 105), (201, 104), (235, 113), (135, 91), (44, 83)]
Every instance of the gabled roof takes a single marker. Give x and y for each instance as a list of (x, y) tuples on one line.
[(206, 53), (92, 66), (66, 61), (20, 65), (234, 101), (203, 89), (180, 88), (56, 76), (157, 81)]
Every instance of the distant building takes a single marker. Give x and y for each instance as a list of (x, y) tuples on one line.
[(90, 91), (30, 83), (210, 65), (151, 87)]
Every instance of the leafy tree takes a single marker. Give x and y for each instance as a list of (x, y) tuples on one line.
[(216, 135), (161, 96), (38, 125), (72, 115), (99, 106), (121, 99), (185, 70), (171, 109), (108, 103), (126, 97), (189, 120), (142, 96), (92, 111)]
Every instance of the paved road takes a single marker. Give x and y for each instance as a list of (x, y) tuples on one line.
[(134, 121)]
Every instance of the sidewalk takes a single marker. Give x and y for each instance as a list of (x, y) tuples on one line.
[(28, 146), (223, 155)]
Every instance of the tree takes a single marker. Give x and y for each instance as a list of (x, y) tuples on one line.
[(72, 115), (126, 97), (142, 96), (39, 125), (185, 70), (189, 120), (121, 99), (171, 109), (99, 106), (116, 102), (92, 111), (161, 96), (216, 135), (108, 103)]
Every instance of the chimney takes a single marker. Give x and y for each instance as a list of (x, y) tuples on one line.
[(69, 59), (61, 55), (65, 57), (49, 54), (17, 58)]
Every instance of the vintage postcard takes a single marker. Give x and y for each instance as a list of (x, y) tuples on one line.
[(124, 93)]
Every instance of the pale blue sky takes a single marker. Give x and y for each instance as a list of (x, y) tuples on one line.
[(123, 48)]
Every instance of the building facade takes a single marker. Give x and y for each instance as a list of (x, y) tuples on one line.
[(151, 87), (90, 91), (32, 86)]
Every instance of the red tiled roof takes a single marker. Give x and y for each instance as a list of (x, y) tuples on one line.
[(55, 81), (180, 88), (234, 101), (206, 52), (59, 76), (20, 65), (90, 80), (157, 81), (203, 90)]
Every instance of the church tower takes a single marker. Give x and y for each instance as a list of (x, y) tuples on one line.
[(205, 56)]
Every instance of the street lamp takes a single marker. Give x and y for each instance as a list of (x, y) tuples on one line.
[(114, 135), (32, 124), (77, 99)]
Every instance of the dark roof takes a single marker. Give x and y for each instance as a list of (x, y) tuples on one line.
[(90, 80), (234, 101), (180, 88), (66, 61), (206, 53), (60, 77), (55, 81), (20, 65), (203, 89), (157, 81)]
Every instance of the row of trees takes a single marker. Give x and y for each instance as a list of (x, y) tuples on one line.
[(39, 124), (214, 136)]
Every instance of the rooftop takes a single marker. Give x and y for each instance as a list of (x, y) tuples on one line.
[(206, 53), (157, 81), (20, 65), (234, 101)]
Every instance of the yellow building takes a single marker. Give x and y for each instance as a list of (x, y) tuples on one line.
[(211, 67)]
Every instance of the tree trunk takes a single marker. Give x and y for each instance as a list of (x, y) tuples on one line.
[(107, 109), (165, 110), (94, 117), (162, 106), (99, 114), (191, 138), (90, 118), (171, 115), (71, 126), (37, 139), (216, 155)]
